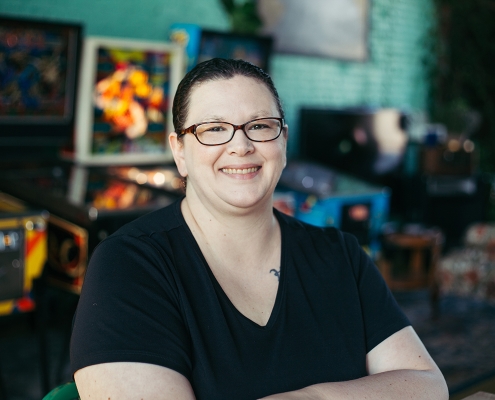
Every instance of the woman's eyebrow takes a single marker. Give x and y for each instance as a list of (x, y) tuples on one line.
[(213, 118), (262, 114), (254, 115)]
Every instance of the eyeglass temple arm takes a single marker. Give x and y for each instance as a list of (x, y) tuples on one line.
[(187, 130)]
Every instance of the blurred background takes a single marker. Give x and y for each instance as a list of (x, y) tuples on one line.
[(391, 114)]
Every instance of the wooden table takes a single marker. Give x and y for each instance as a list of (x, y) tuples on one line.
[(480, 396)]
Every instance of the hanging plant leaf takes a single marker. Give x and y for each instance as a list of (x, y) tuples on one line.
[(228, 5), (243, 17)]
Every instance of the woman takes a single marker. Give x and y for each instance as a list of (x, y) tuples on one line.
[(219, 296)]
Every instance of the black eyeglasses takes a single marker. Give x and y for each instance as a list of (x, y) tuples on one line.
[(217, 133)]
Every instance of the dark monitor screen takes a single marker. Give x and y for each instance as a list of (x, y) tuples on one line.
[(255, 49), (368, 144), (38, 79)]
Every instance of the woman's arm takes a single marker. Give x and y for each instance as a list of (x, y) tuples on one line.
[(131, 380), (399, 368)]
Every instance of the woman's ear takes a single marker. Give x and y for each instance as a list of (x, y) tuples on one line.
[(177, 148), (286, 137)]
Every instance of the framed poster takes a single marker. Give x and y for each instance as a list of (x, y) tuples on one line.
[(324, 28), (124, 103), (38, 76)]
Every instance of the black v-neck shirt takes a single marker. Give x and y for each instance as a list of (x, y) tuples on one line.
[(149, 296)]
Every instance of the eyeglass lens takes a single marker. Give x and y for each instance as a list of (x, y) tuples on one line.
[(221, 132)]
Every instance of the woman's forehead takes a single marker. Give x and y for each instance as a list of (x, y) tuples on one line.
[(215, 99), (236, 82)]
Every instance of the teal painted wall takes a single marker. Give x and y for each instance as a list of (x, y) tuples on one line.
[(394, 76)]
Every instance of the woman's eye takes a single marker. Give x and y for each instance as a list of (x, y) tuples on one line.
[(215, 129), (259, 126)]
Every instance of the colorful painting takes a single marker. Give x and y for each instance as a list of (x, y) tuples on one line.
[(131, 98), (125, 98)]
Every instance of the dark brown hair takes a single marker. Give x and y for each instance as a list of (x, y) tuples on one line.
[(216, 69)]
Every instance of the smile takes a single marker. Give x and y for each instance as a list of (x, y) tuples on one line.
[(243, 171)]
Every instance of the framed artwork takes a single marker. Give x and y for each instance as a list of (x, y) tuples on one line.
[(38, 77), (253, 48), (124, 103), (324, 28)]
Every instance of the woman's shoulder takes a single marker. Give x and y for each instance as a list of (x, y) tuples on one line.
[(145, 241), (151, 232), (161, 220)]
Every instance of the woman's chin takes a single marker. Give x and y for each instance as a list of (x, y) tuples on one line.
[(246, 201), (241, 201)]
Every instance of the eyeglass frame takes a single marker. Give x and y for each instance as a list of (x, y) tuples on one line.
[(192, 129)]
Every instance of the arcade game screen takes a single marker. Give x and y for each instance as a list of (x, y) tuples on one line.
[(38, 75)]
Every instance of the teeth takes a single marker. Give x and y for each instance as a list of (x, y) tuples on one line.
[(239, 171)]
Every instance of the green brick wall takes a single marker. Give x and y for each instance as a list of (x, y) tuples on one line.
[(393, 77)]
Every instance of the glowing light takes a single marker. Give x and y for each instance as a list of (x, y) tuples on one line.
[(468, 146), (359, 212), (454, 145), (307, 182), (133, 173), (158, 179), (141, 178)]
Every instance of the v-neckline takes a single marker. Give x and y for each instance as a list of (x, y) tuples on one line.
[(219, 290)]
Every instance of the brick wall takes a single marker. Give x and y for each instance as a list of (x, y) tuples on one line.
[(394, 75)]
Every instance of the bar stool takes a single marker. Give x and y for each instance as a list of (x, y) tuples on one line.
[(409, 261)]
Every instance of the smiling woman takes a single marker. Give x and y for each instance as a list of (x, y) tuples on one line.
[(220, 296), (255, 148)]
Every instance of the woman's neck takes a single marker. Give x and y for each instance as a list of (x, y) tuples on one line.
[(232, 234)]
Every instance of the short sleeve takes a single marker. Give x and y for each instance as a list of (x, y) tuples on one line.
[(129, 309), (382, 316)]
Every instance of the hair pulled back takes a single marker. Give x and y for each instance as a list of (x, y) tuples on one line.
[(217, 69)]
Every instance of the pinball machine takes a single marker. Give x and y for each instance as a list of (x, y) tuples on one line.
[(86, 204)]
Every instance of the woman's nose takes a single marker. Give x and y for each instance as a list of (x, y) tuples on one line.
[(240, 144)]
